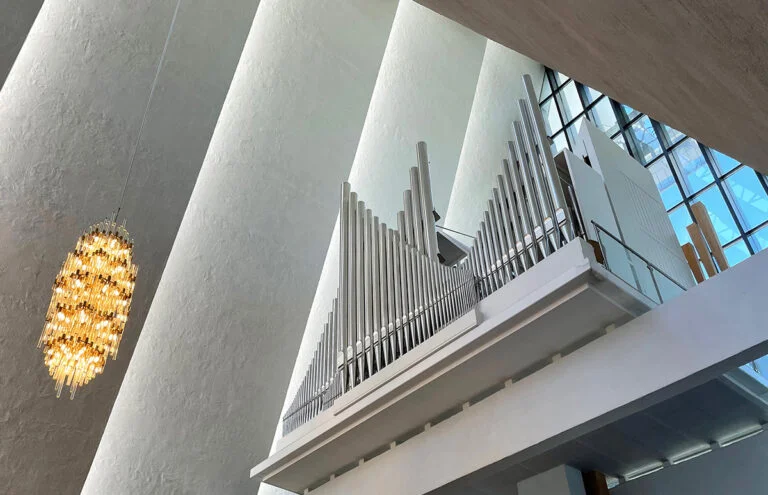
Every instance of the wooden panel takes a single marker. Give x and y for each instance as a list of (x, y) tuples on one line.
[(705, 224), (701, 246), (693, 262)]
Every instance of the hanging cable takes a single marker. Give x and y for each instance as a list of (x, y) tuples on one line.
[(146, 109)]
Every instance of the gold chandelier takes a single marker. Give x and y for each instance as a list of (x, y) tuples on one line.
[(90, 305)]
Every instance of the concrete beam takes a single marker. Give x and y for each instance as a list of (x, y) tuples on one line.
[(694, 338), (693, 65)]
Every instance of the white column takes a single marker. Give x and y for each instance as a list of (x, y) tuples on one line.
[(424, 92), (560, 480), (70, 112), (203, 391), (485, 145)]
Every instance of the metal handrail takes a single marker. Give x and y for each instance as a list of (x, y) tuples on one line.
[(404, 323), (602, 229)]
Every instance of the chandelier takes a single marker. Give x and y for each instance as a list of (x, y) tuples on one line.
[(90, 305), (93, 290)]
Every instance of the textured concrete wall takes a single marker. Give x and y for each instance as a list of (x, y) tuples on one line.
[(69, 115), (490, 123), (201, 397), (16, 18)]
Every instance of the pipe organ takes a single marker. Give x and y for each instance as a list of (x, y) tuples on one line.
[(394, 293)]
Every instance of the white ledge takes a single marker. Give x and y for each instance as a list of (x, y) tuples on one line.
[(514, 330)]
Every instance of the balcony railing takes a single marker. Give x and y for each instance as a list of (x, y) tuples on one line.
[(636, 270)]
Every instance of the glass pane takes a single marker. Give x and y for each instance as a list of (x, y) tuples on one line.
[(629, 112), (559, 143), (759, 239), (725, 225), (749, 197), (551, 118), (694, 172), (573, 129), (681, 219), (546, 89), (646, 142), (673, 135), (621, 142), (590, 94), (724, 162), (736, 253), (665, 181), (560, 78), (603, 117), (570, 103)]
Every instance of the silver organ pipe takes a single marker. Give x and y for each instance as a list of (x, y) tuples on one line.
[(556, 191), (534, 209), (394, 293), (542, 196)]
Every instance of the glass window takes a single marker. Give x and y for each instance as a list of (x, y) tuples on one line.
[(759, 239), (560, 79), (665, 181), (749, 198), (721, 217), (694, 172), (724, 162), (573, 130), (629, 112), (559, 143), (673, 135), (603, 117), (546, 89), (736, 253), (646, 142), (570, 103), (681, 219), (590, 95), (551, 118), (619, 139)]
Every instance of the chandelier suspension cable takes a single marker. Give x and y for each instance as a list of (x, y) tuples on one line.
[(146, 109), (454, 231)]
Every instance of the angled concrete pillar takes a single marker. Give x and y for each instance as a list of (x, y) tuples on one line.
[(70, 112), (424, 92), (202, 394), (490, 123)]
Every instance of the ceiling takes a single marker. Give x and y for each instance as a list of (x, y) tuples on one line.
[(688, 422), (697, 65)]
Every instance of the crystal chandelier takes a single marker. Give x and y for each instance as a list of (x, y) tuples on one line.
[(93, 290), (90, 305)]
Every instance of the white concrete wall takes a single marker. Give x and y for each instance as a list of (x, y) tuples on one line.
[(70, 111), (423, 92), (736, 469), (201, 398), (485, 143)]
